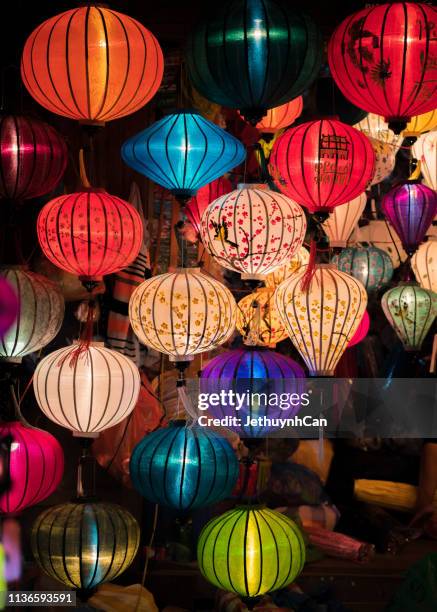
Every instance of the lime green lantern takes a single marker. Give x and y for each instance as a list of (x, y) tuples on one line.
[(251, 550)]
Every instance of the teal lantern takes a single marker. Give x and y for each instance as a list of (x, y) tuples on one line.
[(254, 55), (251, 550), (183, 152), (184, 467), (371, 266)]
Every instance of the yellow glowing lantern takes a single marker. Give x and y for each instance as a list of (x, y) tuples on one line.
[(258, 319), (421, 124)]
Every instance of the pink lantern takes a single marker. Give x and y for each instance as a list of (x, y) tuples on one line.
[(362, 331), (8, 306)]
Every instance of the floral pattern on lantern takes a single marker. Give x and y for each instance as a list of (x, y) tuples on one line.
[(342, 221), (373, 126), (195, 207), (381, 234), (385, 160), (322, 319), (258, 320), (411, 311), (252, 230), (86, 391), (92, 64), (280, 117), (362, 330), (425, 151), (182, 313), (8, 306), (370, 265), (424, 264), (40, 316), (298, 261)]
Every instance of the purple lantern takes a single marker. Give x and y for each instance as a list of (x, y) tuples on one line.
[(410, 208), (8, 306)]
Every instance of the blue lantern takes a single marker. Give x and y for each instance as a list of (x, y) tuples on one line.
[(371, 266), (183, 152), (184, 467)]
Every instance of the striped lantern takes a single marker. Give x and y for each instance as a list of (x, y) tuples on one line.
[(35, 465), (420, 124), (343, 219), (88, 391), (182, 313), (253, 230), (90, 233), (251, 550), (411, 311), (374, 126), (370, 265), (195, 207), (424, 263), (85, 544), (323, 319), (281, 116), (184, 467), (258, 320), (8, 306), (40, 316), (299, 259), (362, 330), (425, 151), (385, 160), (33, 157), (381, 234)]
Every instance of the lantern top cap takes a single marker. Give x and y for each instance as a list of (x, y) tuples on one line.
[(263, 186), (188, 270), (91, 344), (184, 111), (327, 266)]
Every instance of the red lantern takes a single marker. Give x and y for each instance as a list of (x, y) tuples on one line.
[(383, 58), (90, 233), (207, 194), (322, 164), (33, 157), (281, 116), (92, 64)]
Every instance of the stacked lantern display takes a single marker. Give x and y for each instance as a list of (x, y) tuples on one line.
[(370, 265), (258, 320), (342, 221)]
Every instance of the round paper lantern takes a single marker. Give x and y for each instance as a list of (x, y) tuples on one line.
[(381, 234), (385, 160), (8, 306), (425, 150), (258, 320), (382, 59), (184, 467), (206, 194), (330, 102), (182, 313), (362, 330), (324, 318), (370, 265), (254, 56), (85, 544), (421, 124), (251, 550), (253, 231), (86, 392), (322, 164), (90, 233), (281, 117), (374, 126), (33, 157), (343, 219), (424, 263), (183, 152), (40, 315), (92, 64), (299, 259), (35, 465), (410, 310), (410, 208)]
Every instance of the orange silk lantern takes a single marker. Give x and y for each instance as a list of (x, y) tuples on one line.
[(281, 116), (92, 64)]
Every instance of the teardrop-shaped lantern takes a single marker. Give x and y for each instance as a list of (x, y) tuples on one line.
[(424, 263), (374, 126), (370, 265), (182, 152), (322, 319), (425, 151), (281, 117), (298, 261), (410, 208), (343, 219), (195, 207), (258, 320), (410, 310)]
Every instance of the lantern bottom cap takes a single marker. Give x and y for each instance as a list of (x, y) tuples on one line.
[(176, 358), (13, 359), (338, 243), (320, 373), (249, 276), (85, 434)]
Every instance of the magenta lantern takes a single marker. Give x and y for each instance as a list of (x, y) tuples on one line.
[(410, 208), (36, 466), (362, 331), (8, 306)]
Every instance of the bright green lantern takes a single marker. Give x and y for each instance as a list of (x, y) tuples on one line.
[(410, 310), (251, 550)]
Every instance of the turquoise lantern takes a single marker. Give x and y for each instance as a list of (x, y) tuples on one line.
[(368, 264), (183, 152), (184, 467)]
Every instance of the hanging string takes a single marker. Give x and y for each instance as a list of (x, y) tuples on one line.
[(148, 550)]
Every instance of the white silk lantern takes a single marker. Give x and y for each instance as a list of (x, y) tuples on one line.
[(341, 222), (424, 263), (425, 151)]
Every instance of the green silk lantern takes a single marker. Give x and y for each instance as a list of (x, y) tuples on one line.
[(410, 310), (251, 550)]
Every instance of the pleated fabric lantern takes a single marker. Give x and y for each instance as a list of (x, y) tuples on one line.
[(343, 219), (35, 465), (424, 264), (8, 306), (298, 261), (253, 56), (92, 64), (421, 124), (381, 234), (33, 157), (381, 57), (206, 194), (374, 126), (184, 467), (183, 152), (251, 550), (258, 320), (425, 150), (411, 311), (322, 319), (322, 164), (362, 330), (385, 160), (88, 391), (85, 544), (40, 314), (280, 117), (182, 313), (370, 265), (90, 233), (410, 208), (253, 230)]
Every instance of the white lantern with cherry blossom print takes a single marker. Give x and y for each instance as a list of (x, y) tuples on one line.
[(296, 263), (344, 218), (253, 230)]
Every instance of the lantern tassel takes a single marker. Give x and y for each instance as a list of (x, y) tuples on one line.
[(311, 267)]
